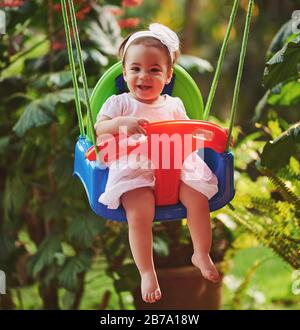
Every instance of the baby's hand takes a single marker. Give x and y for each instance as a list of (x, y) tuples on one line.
[(134, 125)]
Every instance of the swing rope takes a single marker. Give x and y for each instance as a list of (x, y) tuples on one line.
[(73, 70), (240, 66), (216, 79), (240, 71), (80, 61)]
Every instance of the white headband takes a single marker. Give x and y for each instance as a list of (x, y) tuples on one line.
[(158, 31)]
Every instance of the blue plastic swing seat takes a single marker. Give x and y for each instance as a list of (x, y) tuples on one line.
[(93, 175)]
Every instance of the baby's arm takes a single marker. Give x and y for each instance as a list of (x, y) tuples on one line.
[(107, 125)]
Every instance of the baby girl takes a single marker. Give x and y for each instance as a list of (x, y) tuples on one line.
[(148, 58)]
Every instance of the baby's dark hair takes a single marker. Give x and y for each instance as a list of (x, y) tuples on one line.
[(150, 42)]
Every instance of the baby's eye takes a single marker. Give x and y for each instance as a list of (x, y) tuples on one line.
[(135, 68), (155, 70)]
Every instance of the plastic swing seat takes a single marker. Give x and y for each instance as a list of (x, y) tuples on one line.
[(93, 174)]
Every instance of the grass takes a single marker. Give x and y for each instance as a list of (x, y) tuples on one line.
[(269, 288)]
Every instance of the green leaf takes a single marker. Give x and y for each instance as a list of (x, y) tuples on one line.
[(54, 207), (280, 38), (260, 107), (45, 255), (129, 278), (84, 228), (248, 138), (97, 57), (7, 245), (4, 144), (50, 100), (40, 112), (194, 63), (289, 95), (59, 79), (68, 300), (63, 169), (68, 277), (160, 247), (107, 36), (15, 195), (283, 65), (33, 116), (277, 153)]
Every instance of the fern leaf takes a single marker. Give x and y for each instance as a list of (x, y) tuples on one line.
[(282, 188)]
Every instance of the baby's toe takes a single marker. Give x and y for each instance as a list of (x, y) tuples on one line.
[(152, 300), (145, 297), (157, 295), (214, 277)]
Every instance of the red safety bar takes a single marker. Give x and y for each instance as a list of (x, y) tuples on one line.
[(167, 145)]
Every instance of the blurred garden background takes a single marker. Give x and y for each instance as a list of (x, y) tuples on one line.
[(55, 252)]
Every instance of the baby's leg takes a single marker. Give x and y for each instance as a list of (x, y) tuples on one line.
[(139, 205), (198, 219)]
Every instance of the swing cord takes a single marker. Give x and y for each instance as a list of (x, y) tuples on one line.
[(81, 65), (216, 79), (240, 71), (73, 71)]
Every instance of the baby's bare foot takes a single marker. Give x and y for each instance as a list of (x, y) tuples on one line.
[(206, 266), (150, 288)]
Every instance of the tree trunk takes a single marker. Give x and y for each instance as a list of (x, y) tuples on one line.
[(80, 291), (191, 14), (49, 295)]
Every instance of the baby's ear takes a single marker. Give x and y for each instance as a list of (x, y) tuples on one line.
[(170, 75), (124, 75)]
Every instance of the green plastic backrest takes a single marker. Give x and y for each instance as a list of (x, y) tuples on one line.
[(185, 88)]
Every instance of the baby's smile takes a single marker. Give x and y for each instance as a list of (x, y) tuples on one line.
[(144, 87)]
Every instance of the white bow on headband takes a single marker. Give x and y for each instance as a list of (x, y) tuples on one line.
[(158, 31)]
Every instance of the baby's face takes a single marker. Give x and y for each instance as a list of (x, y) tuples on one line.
[(146, 72)]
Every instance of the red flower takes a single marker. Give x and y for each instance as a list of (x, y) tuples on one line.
[(12, 3), (57, 7), (57, 45), (129, 23), (117, 11), (80, 15), (131, 3)]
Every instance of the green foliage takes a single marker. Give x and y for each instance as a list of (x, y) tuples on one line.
[(281, 72), (282, 188), (194, 64), (280, 38), (73, 266), (272, 212), (285, 145), (38, 131), (269, 286), (283, 66), (288, 95), (45, 255), (240, 291), (83, 230), (160, 246), (105, 33), (128, 278)]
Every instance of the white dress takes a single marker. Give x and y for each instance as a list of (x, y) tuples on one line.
[(123, 178)]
